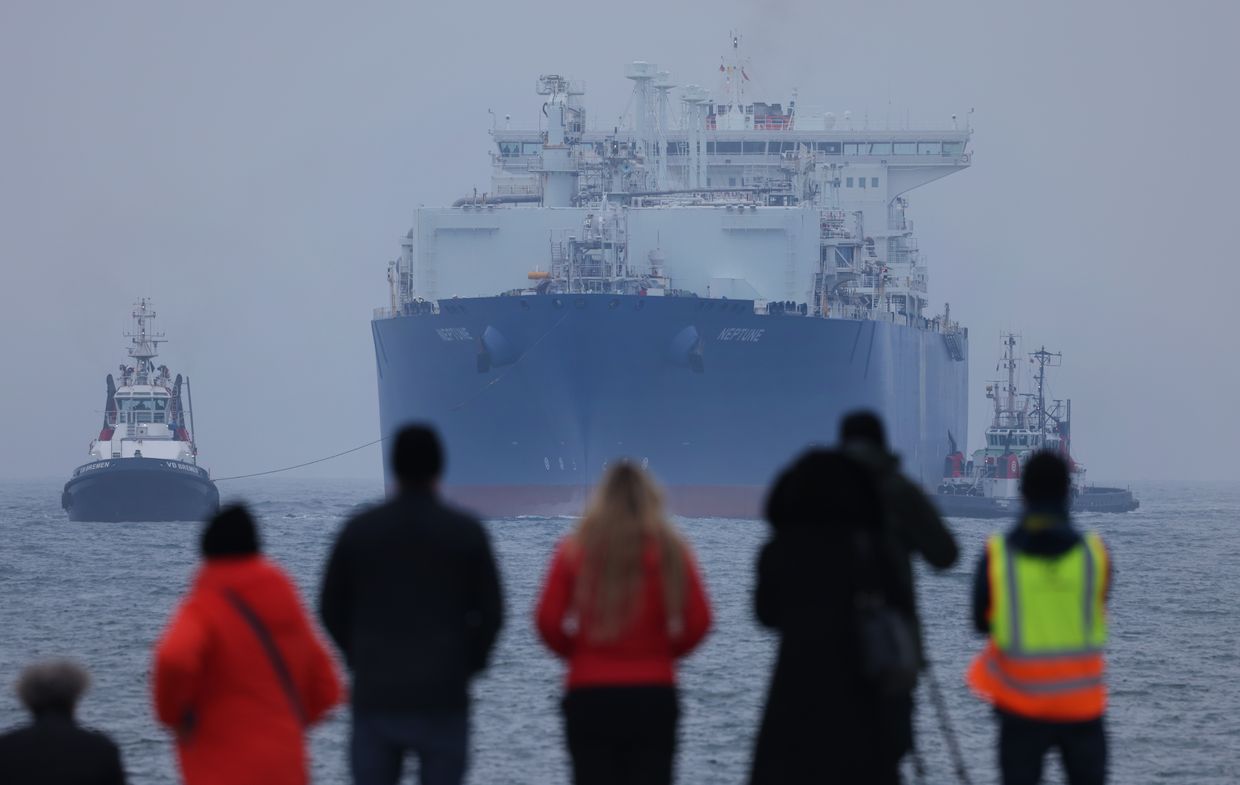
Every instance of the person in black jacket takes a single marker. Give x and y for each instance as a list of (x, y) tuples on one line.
[(411, 596), (911, 526), (824, 721), (54, 749), (912, 523)]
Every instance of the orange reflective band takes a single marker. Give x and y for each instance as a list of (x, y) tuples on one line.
[(1065, 689)]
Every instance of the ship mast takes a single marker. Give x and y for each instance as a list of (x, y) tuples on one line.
[(145, 344), (1009, 362), (1044, 358)]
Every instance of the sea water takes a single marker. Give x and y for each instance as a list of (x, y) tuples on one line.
[(102, 593)]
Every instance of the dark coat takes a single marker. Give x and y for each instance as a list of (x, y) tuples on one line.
[(823, 722), (912, 525), (54, 750), (412, 598)]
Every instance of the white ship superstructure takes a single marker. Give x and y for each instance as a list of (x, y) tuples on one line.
[(143, 416), (739, 198)]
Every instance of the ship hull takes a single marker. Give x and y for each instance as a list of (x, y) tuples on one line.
[(536, 395), (1092, 499), (140, 489)]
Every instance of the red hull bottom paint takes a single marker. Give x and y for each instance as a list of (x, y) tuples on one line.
[(692, 501)]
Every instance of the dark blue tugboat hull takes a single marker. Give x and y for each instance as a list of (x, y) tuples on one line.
[(1091, 499), (140, 489)]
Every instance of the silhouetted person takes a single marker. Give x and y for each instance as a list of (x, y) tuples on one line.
[(824, 720), (240, 673), (1040, 595), (914, 526), (412, 598), (53, 749), (621, 603)]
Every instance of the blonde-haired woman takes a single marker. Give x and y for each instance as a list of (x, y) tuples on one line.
[(622, 602)]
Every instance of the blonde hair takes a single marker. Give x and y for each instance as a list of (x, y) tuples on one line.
[(624, 515)]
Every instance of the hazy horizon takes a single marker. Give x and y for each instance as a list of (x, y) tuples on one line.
[(252, 168)]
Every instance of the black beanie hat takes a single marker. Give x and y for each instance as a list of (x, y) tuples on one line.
[(417, 456), (1045, 480), (230, 533)]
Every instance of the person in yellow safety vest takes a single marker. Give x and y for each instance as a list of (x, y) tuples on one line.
[(1040, 594)]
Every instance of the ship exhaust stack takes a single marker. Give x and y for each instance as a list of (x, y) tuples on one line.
[(565, 122)]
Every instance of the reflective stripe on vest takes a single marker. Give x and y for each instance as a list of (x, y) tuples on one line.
[(1048, 627)]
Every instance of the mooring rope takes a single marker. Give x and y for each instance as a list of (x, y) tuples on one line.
[(464, 401), (300, 465)]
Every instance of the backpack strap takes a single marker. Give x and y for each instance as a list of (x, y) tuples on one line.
[(272, 652)]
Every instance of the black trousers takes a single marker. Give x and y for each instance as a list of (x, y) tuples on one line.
[(1023, 744), (621, 735)]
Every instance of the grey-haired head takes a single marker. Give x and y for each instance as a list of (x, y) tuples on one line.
[(52, 687)]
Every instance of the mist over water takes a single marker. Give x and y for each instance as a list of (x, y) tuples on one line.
[(102, 593)]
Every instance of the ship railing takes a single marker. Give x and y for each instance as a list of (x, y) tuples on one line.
[(415, 307)]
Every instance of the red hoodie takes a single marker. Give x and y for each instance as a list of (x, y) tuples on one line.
[(645, 651), (212, 666)]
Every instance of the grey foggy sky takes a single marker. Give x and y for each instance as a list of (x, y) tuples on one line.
[(251, 167)]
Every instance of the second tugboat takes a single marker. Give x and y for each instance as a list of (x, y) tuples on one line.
[(144, 464), (988, 485)]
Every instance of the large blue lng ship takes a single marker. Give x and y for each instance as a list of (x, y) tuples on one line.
[(705, 295)]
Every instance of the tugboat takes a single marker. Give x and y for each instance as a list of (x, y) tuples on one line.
[(144, 465), (988, 484)]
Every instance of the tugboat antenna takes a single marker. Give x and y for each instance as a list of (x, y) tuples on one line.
[(189, 394), (1044, 358), (145, 344)]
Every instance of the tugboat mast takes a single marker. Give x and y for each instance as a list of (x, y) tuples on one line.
[(1044, 358), (145, 344)]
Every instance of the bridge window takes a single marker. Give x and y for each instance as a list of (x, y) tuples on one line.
[(929, 148), (880, 148), (953, 148), (531, 148), (848, 182), (829, 148), (710, 148), (725, 148), (905, 148), (677, 148), (873, 182), (855, 148), (758, 148), (861, 182), (509, 149)]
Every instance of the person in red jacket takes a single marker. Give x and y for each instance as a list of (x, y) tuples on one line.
[(240, 673), (622, 602)]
